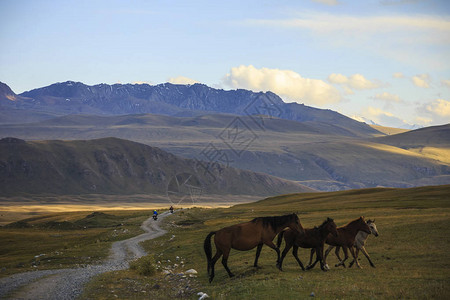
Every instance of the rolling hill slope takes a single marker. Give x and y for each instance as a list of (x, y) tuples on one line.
[(316, 154), (115, 166)]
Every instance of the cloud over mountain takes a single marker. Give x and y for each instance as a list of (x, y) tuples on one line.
[(353, 82), (182, 80), (285, 83)]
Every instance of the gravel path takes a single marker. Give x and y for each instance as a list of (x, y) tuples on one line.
[(68, 283)]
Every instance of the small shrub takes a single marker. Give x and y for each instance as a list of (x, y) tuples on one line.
[(143, 266)]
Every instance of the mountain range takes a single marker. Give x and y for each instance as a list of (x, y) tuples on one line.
[(166, 99), (318, 148)]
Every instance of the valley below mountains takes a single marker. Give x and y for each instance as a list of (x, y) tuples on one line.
[(240, 133)]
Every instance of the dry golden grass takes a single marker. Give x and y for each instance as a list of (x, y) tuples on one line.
[(411, 254), (389, 130)]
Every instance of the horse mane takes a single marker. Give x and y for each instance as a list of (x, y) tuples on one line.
[(351, 223), (325, 222), (274, 222)]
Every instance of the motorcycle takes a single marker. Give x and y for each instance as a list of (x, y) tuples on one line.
[(155, 217)]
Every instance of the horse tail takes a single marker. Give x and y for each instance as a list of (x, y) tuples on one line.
[(208, 249), (280, 239)]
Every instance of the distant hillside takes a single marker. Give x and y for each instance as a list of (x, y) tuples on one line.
[(388, 130), (316, 154), (428, 136), (9, 114), (115, 166), (176, 100), (6, 94)]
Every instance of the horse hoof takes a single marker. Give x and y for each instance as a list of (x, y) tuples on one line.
[(327, 267)]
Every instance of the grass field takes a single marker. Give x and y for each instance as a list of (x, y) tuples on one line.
[(63, 240), (411, 254)]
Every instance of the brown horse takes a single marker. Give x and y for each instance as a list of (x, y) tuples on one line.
[(360, 241), (345, 239), (312, 238), (246, 236)]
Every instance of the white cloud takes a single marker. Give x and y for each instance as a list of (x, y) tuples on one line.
[(327, 2), (420, 40), (422, 80), (388, 97), (345, 24), (354, 82), (398, 75), (439, 107), (384, 118), (141, 82), (446, 82), (423, 121), (181, 80), (285, 83), (437, 111), (398, 2)]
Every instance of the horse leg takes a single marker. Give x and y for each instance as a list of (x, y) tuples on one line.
[(319, 251), (342, 262), (258, 252), (353, 261), (226, 253), (338, 248), (326, 255), (274, 247), (283, 255), (309, 267), (213, 262), (294, 252), (311, 256), (355, 258), (363, 250)]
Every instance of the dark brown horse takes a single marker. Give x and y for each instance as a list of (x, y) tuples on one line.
[(345, 239), (312, 238), (246, 236)]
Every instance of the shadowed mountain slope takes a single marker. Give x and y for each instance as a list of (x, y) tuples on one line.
[(177, 100), (115, 166), (316, 154)]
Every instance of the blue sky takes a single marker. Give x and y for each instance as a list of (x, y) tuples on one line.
[(384, 60)]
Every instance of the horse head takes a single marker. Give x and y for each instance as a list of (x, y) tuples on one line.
[(372, 226), (331, 227), (363, 225)]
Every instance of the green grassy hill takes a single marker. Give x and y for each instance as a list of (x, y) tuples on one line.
[(410, 254)]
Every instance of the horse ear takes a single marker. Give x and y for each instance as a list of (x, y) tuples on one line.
[(373, 221)]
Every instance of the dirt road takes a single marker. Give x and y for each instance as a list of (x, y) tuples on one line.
[(68, 283)]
